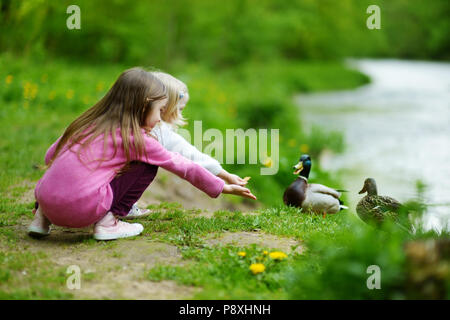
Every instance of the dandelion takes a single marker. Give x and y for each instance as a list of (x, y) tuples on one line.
[(278, 255), (265, 252), (9, 79), (304, 148), (268, 162), (256, 268), (242, 253), (30, 90), (69, 94)]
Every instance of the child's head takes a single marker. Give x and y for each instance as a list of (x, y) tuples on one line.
[(133, 97), (178, 97), (134, 101)]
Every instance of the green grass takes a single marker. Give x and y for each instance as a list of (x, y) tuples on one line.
[(26, 275), (338, 251)]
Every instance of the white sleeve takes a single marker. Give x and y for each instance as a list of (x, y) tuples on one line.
[(174, 142)]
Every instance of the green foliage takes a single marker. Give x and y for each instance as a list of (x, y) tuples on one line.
[(412, 265), (224, 33), (337, 269)]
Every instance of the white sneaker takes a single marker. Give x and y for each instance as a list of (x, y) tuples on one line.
[(136, 212), (110, 228), (40, 226)]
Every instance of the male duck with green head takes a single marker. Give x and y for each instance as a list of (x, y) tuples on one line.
[(311, 197)]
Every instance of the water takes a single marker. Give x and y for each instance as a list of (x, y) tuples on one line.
[(397, 130)]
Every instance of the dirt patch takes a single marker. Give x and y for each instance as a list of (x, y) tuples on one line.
[(109, 269), (243, 239), (124, 286)]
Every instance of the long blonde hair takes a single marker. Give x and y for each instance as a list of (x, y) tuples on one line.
[(175, 88), (126, 106)]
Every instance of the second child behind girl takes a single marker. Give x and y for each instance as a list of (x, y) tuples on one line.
[(105, 160), (166, 133)]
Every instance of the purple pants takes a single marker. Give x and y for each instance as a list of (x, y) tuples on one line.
[(129, 186)]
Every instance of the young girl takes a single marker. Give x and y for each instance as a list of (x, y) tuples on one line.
[(178, 97), (106, 158)]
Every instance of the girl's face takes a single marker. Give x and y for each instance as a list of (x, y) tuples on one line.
[(154, 117)]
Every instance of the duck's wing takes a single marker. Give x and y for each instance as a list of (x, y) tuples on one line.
[(320, 188), (391, 203), (378, 207), (320, 202)]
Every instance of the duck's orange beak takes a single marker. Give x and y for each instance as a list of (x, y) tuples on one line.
[(298, 168)]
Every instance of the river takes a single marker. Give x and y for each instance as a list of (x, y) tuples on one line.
[(396, 129)]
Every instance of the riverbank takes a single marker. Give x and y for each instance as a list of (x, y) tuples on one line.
[(396, 129)]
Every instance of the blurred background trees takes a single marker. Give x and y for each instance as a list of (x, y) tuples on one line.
[(225, 33)]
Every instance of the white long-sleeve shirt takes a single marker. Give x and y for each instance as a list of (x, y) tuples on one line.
[(174, 142)]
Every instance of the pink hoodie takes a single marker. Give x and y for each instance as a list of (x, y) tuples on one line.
[(75, 194)]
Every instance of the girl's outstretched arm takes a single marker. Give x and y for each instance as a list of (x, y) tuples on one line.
[(182, 167), (238, 190), (174, 142)]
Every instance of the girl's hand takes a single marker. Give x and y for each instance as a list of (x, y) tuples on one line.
[(238, 191), (232, 178)]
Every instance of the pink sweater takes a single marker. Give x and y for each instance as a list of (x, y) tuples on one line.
[(75, 194)]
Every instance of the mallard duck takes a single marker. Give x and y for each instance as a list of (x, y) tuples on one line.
[(311, 197), (375, 209)]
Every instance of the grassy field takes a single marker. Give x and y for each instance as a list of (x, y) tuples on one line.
[(187, 253)]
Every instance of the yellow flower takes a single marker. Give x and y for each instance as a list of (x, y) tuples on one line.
[(241, 253), (304, 148), (256, 268), (278, 255), (69, 94), (265, 252), (9, 79), (30, 90), (268, 162)]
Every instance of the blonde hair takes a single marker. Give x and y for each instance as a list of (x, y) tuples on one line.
[(125, 106), (175, 88)]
